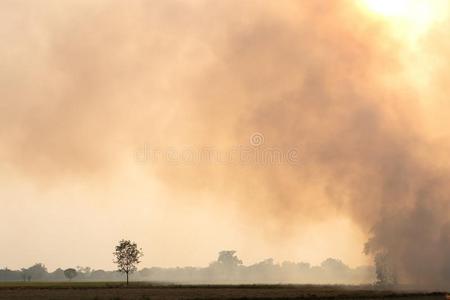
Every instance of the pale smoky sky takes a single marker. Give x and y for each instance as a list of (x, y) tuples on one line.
[(358, 91)]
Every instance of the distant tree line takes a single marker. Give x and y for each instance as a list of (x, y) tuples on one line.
[(228, 268)]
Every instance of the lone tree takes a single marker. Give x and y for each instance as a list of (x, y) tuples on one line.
[(70, 273), (127, 257)]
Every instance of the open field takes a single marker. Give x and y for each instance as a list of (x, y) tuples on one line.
[(117, 291)]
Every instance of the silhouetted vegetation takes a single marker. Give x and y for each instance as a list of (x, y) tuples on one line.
[(70, 273), (227, 269)]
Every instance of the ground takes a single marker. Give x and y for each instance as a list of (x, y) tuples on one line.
[(142, 291)]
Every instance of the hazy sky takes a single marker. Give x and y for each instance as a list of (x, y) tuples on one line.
[(79, 223), (351, 94)]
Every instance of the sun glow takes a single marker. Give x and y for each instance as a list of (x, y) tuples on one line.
[(394, 7), (415, 15), (409, 22)]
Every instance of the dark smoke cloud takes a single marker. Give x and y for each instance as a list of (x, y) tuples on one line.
[(84, 82)]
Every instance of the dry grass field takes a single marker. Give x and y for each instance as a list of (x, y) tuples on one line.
[(142, 291)]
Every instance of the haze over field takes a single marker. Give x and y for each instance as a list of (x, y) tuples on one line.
[(105, 106)]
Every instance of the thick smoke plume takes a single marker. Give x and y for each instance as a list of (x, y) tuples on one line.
[(83, 83)]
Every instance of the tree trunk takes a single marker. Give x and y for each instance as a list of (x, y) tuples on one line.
[(127, 278)]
